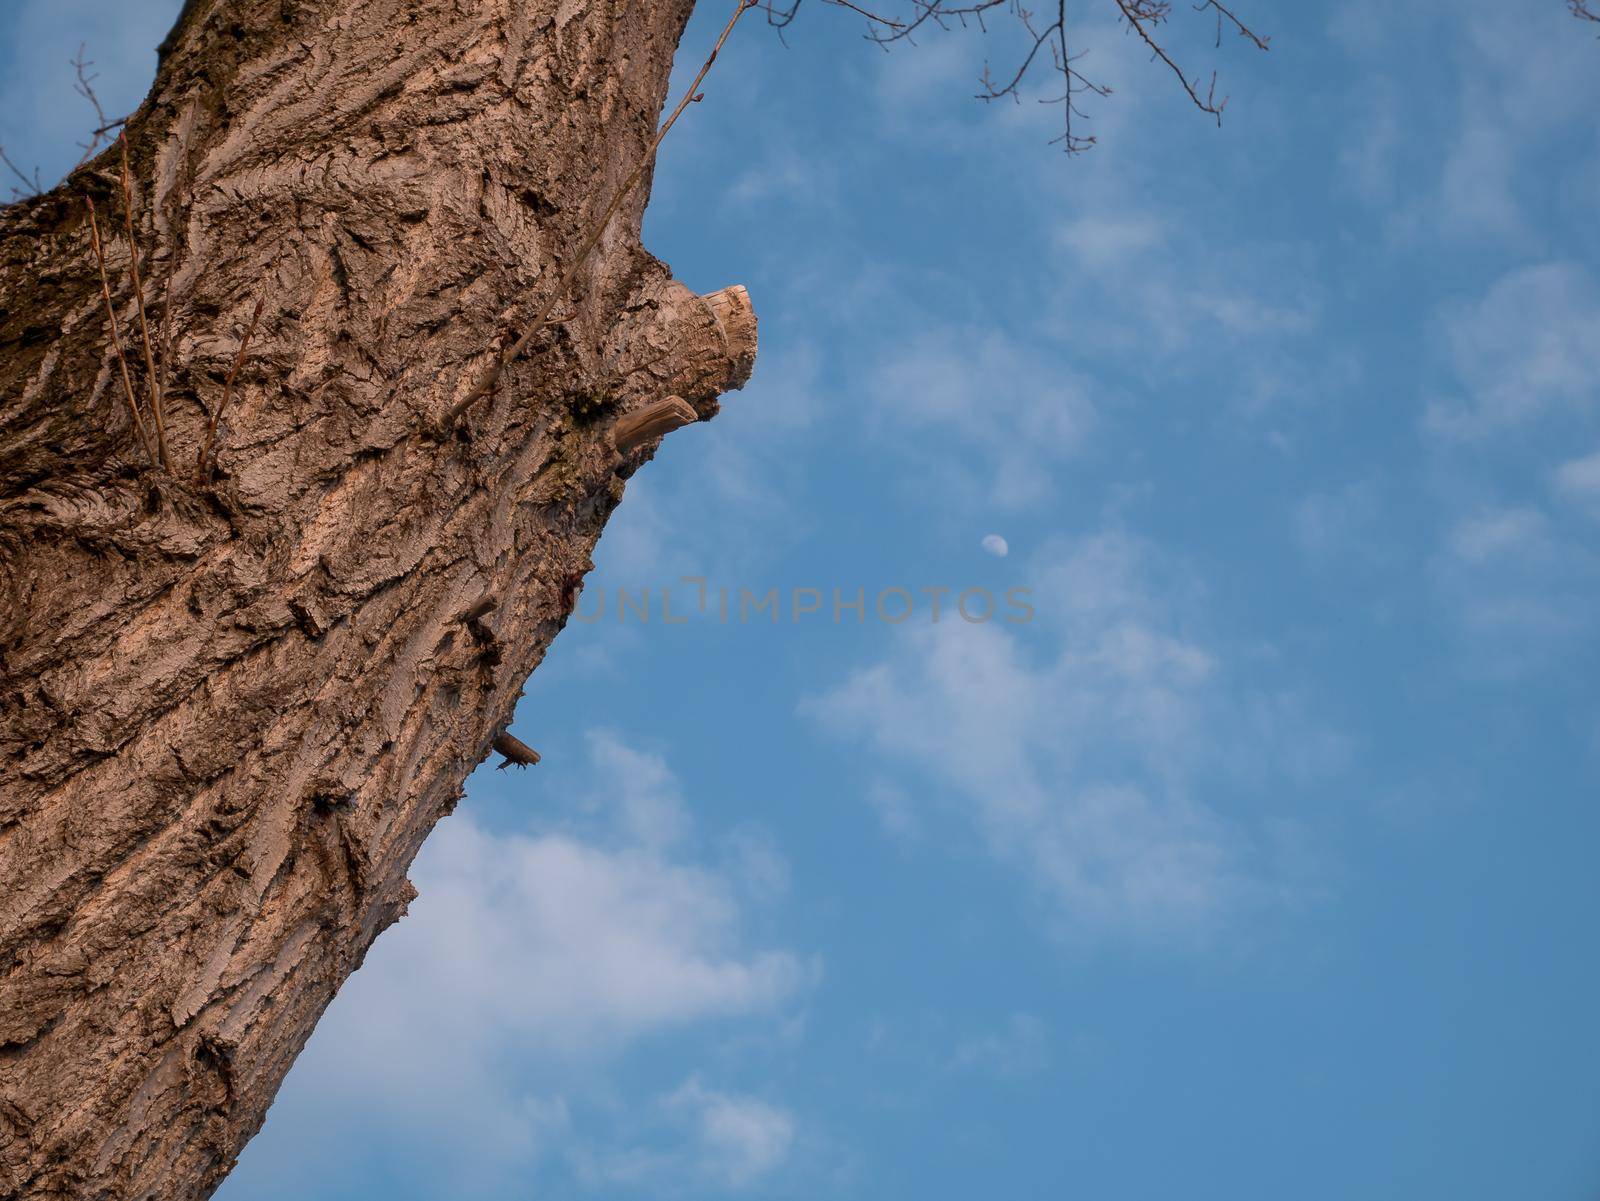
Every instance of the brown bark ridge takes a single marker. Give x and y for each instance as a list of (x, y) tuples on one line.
[(231, 712)]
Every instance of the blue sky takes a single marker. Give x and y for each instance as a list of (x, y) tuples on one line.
[(1259, 864)]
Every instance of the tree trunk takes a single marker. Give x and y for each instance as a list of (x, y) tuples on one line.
[(232, 708)]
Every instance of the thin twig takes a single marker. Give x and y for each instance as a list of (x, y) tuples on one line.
[(33, 184), (153, 377), (116, 333), (85, 85), (85, 88), (542, 318), (1055, 37), (201, 469), (1143, 17), (104, 125)]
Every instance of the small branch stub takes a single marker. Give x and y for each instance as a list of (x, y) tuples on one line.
[(515, 751), (513, 345), (634, 429), (736, 317)]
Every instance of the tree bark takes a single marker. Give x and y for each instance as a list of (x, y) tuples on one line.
[(232, 709)]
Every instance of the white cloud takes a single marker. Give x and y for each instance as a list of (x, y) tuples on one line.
[(785, 177), (1477, 186), (1469, 168), (753, 861), (741, 1138), (1520, 589), (911, 79), (1105, 241), (895, 809), (1071, 746), (1579, 481), (1338, 523), (1020, 1047), (1498, 534), (1191, 310), (548, 946), (641, 792), (1018, 412), (1144, 283), (694, 1138), (1527, 348), (1372, 154), (529, 964)]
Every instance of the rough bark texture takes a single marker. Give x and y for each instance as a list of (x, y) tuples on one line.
[(230, 714)]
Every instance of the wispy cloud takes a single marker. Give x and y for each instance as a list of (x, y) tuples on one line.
[(1578, 481), (1145, 282), (1017, 413), (1519, 588), (1526, 349), (1019, 1047), (1071, 744), (1471, 141), (1499, 534), (1339, 523), (691, 1140), (741, 1138), (529, 965)]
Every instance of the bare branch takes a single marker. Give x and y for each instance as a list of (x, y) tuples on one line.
[(85, 88), (152, 376), (1584, 10), (99, 136), (1055, 37), (1046, 40), (33, 186), (116, 333)]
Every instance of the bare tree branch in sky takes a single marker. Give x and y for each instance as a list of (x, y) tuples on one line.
[(1047, 39)]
